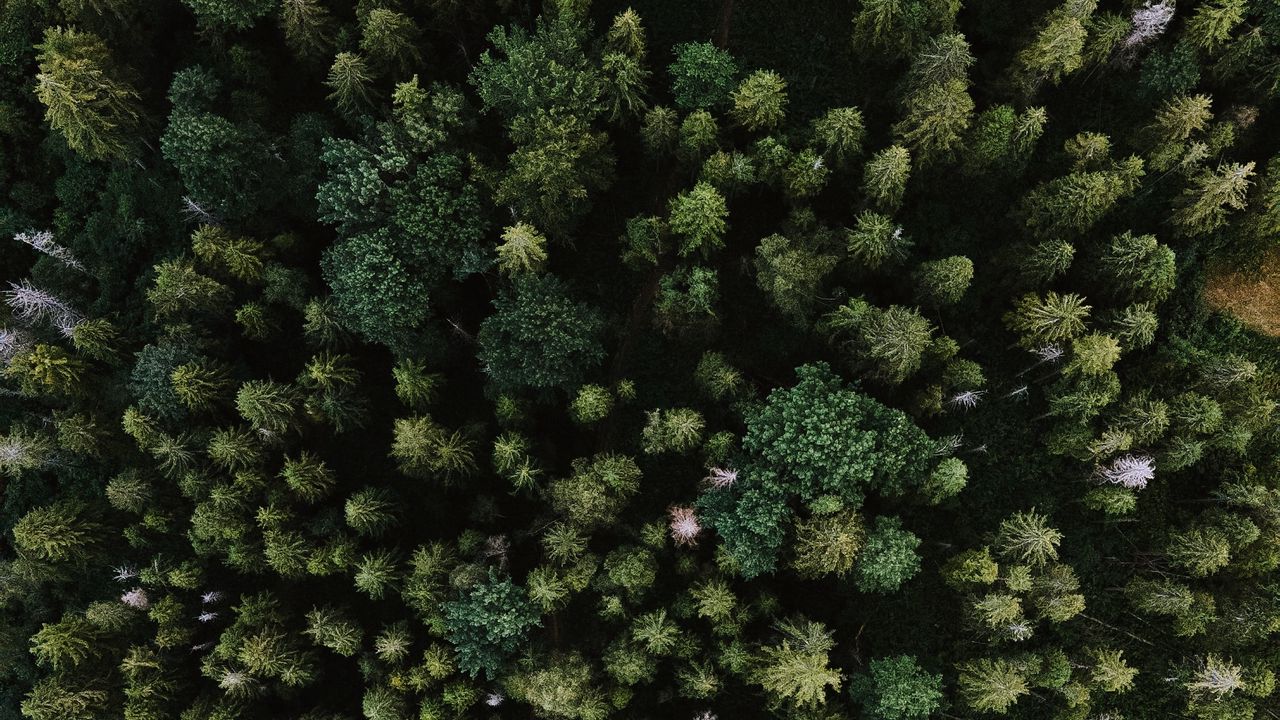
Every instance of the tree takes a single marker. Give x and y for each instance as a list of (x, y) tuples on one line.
[(1182, 116), (1026, 537), (936, 119), (1046, 320), (591, 404), (1057, 49), (839, 133), (523, 250), (889, 343), (229, 15), (897, 28), (698, 217), (596, 491), (64, 532), (330, 628), (1142, 268), (349, 82), (760, 102), (271, 407), (562, 686), (991, 685), (884, 179), (876, 241), (798, 675), (945, 57), (307, 26), (558, 164), (1200, 551), (226, 164), (944, 282), (1212, 23), (888, 558), (546, 72), (702, 76), (792, 274), (1212, 194), (946, 481), (488, 623), (828, 544), (672, 430), (896, 688), (400, 239), (425, 449), (389, 38), (85, 97), (1075, 202), (539, 337), (817, 441), (371, 511)]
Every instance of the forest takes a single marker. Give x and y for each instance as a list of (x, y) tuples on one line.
[(639, 359)]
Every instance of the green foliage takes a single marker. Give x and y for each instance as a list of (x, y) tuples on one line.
[(896, 688), (991, 685), (698, 217), (539, 337), (944, 281), (228, 15), (560, 687), (84, 95), (816, 440), (839, 132), (828, 544), (888, 558), (383, 277), (488, 623), (559, 162), (884, 178), (936, 119), (472, 370), (702, 76), (791, 274), (760, 102), (798, 675), (63, 532)]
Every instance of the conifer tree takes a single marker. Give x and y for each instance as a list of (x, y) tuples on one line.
[(85, 97)]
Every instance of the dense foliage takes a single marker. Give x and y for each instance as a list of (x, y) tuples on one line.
[(573, 360)]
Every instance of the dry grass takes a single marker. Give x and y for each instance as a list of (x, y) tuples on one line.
[(1252, 297)]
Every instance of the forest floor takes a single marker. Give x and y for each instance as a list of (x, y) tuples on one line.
[(1254, 296)]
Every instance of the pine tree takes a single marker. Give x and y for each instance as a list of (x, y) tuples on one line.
[(760, 102), (936, 119), (349, 80), (839, 133), (828, 544), (991, 685), (876, 241), (797, 676), (1211, 196), (698, 217), (1027, 537), (944, 282), (1046, 320), (84, 96), (307, 26), (63, 532), (884, 179), (389, 39), (1142, 268), (1057, 49)]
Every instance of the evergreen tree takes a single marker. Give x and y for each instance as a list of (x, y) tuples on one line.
[(85, 96)]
